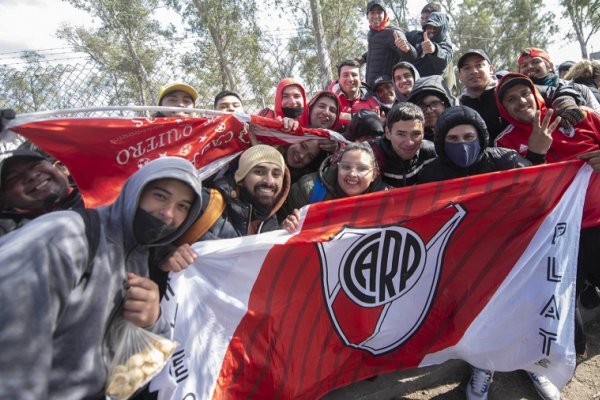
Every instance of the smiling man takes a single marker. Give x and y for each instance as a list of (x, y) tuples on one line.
[(476, 73), (61, 294), (402, 152), (352, 93), (252, 195), (30, 185)]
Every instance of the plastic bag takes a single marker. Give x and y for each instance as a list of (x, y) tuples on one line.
[(139, 356)]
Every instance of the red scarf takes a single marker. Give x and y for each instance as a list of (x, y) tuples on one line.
[(384, 24)]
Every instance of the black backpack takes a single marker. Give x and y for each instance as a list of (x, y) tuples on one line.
[(91, 220)]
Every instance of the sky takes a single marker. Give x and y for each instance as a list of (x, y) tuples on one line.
[(32, 24)]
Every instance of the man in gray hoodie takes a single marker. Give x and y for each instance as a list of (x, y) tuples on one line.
[(58, 305)]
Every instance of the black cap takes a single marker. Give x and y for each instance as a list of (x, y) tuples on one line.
[(374, 3), (471, 52), (382, 79), (11, 156), (510, 81), (566, 65)]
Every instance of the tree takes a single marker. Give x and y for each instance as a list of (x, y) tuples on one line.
[(128, 41), (585, 20), (502, 29)]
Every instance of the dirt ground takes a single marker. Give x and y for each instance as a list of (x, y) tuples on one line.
[(448, 381)]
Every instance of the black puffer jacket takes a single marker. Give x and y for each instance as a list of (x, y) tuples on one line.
[(395, 171), (383, 54), (436, 62), (490, 159), (485, 105)]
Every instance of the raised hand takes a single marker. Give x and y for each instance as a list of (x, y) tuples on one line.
[(401, 42), (541, 135), (427, 46)]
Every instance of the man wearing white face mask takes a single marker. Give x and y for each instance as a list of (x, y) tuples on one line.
[(462, 144)]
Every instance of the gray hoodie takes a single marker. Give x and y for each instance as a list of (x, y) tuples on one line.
[(54, 323)]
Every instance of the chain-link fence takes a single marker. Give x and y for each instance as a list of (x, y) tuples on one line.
[(42, 83)]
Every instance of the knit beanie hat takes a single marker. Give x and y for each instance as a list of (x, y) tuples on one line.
[(260, 153)]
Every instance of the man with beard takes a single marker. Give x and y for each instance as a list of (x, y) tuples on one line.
[(62, 293), (31, 185), (251, 197)]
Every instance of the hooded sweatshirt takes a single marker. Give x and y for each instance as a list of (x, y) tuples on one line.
[(401, 98), (278, 112), (55, 320), (567, 143), (490, 159), (304, 119), (436, 62), (431, 86)]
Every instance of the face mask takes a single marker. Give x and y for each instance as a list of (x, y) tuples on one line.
[(463, 154), (148, 229), (292, 112)]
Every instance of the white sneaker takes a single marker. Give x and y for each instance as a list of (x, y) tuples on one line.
[(479, 384), (544, 387)]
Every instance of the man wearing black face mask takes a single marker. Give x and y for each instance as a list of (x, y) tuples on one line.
[(59, 297), (461, 142)]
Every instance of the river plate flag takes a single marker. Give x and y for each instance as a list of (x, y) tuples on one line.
[(480, 269)]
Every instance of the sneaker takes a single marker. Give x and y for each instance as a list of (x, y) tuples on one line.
[(544, 387), (479, 384)]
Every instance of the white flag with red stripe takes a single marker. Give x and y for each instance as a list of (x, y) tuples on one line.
[(481, 269)]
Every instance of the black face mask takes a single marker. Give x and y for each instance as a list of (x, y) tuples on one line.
[(292, 112), (148, 229)]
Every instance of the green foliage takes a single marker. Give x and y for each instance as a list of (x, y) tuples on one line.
[(585, 21), (127, 42), (501, 28)]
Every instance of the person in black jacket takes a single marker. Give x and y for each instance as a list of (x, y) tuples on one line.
[(387, 45), (431, 95), (402, 152), (476, 73), (462, 146)]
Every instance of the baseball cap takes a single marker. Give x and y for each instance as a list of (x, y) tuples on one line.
[(382, 79), (470, 52), (533, 52), (509, 81), (10, 157), (171, 87), (374, 3)]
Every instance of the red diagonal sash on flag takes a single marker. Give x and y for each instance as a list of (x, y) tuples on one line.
[(252, 314)]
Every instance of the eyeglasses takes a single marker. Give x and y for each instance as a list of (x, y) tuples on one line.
[(360, 169), (434, 105)]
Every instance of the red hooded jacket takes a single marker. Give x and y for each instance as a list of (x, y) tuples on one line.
[(304, 119), (567, 144), (285, 82)]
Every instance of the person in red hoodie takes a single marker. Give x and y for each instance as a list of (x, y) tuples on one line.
[(534, 131), (290, 100), (323, 111)]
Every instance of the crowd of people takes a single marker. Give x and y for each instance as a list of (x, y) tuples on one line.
[(404, 125)]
